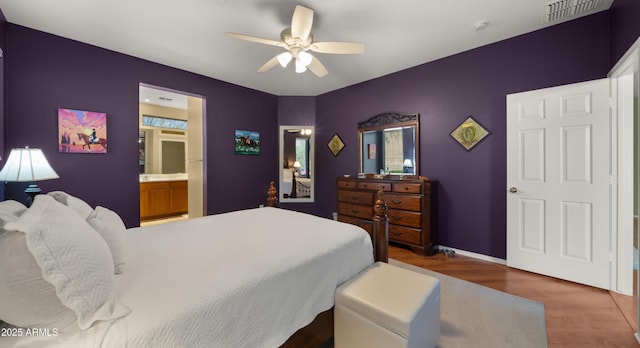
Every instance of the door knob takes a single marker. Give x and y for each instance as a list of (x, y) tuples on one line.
[(513, 190)]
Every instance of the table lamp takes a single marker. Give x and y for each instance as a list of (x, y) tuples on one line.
[(27, 165)]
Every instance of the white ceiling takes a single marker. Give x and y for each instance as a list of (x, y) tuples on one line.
[(189, 34)]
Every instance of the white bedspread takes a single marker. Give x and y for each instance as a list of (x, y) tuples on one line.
[(243, 279)]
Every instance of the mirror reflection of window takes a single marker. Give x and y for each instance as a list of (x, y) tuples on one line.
[(393, 159), (302, 157)]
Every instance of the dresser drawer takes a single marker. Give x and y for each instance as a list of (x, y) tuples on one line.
[(404, 202), (404, 234), (362, 197), (405, 218), (367, 225), (357, 210), (350, 184), (407, 188), (368, 185)]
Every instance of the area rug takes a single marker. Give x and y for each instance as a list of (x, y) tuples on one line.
[(477, 316)]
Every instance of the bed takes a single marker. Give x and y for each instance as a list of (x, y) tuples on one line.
[(239, 279)]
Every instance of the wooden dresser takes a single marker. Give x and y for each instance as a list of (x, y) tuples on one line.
[(412, 208)]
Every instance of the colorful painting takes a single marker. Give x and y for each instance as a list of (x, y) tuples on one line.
[(469, 133), (82, 131), (247, 142)]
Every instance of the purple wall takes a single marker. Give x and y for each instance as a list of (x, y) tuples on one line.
[(625, 27), (472, 184), (45, 72)]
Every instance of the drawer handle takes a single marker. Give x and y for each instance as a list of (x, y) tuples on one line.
[(406, 188), (355, 198), (396, 202), (396, 234), (365, 186), (355, 211), (396, 217)]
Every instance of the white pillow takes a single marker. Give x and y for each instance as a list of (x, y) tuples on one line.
[(110, 226), (27, 299), (73, 257), (12, 207), (78, 205), (10, 211)]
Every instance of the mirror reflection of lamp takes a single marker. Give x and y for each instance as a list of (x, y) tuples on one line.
[(27, 165), (408, 164), (296, 166)]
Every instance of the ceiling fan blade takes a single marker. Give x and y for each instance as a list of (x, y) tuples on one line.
[(268, 65), (317, 68), (301, 22), (254, 39), (337, 47)]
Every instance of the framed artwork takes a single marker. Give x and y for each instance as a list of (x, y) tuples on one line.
[(247, 142), (372, 151), (82, 131), (469, 133), (335, 145)]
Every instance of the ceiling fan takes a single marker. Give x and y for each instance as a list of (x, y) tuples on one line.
[(297, 40)]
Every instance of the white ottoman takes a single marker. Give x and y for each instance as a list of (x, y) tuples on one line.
[(387, 306)]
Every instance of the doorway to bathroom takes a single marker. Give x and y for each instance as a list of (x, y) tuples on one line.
[(170, 155)]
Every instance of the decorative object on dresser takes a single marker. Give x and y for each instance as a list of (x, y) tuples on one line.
[(411, 202), (469, 133)]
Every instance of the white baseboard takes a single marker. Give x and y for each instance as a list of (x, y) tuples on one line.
[(637, 337), (476, 255)]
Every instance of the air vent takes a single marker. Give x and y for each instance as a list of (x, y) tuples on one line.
[(562, 9)]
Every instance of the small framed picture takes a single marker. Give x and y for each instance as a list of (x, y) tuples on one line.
[(247, 142), (469, 133), (335, 145)]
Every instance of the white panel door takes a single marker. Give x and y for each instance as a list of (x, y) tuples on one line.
[(558, 170)]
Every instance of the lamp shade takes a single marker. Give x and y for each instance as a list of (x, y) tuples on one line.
[(296, 164), (408, 163), (27, 164)]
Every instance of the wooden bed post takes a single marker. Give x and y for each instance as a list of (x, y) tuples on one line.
[(380, 229), (272, 195)]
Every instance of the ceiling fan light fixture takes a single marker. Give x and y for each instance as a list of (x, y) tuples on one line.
[(284, 58), (300, 68), (305, 58)]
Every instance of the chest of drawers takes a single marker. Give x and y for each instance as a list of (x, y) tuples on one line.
[(412, 208)]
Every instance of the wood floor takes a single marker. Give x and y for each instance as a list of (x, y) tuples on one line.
[(576, 315)]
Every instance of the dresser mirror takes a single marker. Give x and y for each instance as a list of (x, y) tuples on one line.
[(389, 143), (296, 164)]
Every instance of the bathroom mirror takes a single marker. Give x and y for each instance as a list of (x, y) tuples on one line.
[(389, 143), (296, 164)]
